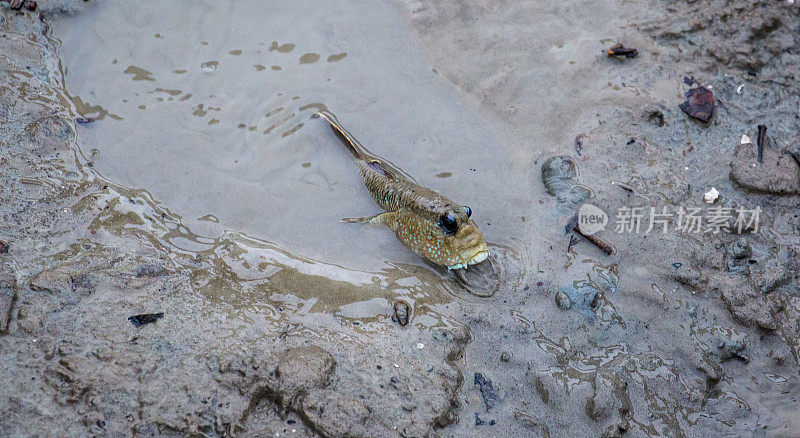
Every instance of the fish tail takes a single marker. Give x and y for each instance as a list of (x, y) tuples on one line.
[(343, 135)]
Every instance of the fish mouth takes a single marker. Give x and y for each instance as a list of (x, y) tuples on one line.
[(478, 257), (475, 259)]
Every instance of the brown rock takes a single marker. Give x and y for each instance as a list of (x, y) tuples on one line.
[(778, 174), (699, 104)]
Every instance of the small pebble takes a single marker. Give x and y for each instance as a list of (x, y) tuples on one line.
[(563, 301), (209, 67), (505, 357)]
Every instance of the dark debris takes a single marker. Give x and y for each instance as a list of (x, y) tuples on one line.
[(479, 422), (145, 318), (579, 143), (619, 51), (402, 313), (656, 116), (490, 397), (16, 5)]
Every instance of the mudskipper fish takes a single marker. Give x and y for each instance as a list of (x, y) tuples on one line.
[(430, 224)]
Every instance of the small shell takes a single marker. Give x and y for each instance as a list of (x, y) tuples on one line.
[(711, 195)]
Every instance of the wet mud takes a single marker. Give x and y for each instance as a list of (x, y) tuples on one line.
[(172, 260)]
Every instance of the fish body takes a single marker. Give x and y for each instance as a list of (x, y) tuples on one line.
[(430, 224)]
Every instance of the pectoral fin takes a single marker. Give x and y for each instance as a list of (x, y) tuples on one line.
[(381, 218), (380, 167)]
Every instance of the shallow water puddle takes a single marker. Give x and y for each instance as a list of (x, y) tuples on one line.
[(214, 119)]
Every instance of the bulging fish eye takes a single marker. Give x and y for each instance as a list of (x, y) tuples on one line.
[(469, 211), (448, 223)]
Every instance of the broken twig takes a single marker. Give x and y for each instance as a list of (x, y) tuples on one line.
[(624, 186), (598, 242), (573, 225)]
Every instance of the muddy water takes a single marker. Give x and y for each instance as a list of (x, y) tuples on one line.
[(214, 121), (207, 129)]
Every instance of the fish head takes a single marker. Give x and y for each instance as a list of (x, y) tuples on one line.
[(468, 247), (460, 240)]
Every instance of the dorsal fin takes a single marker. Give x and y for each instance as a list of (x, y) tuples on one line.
[(343, 136), (385, 167)]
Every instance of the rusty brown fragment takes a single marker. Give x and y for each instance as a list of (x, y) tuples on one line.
[(699, 104)]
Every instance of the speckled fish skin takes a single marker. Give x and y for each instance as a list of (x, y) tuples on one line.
[(413, 212)]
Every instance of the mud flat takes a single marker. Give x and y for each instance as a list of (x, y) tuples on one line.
[(142, 296)]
